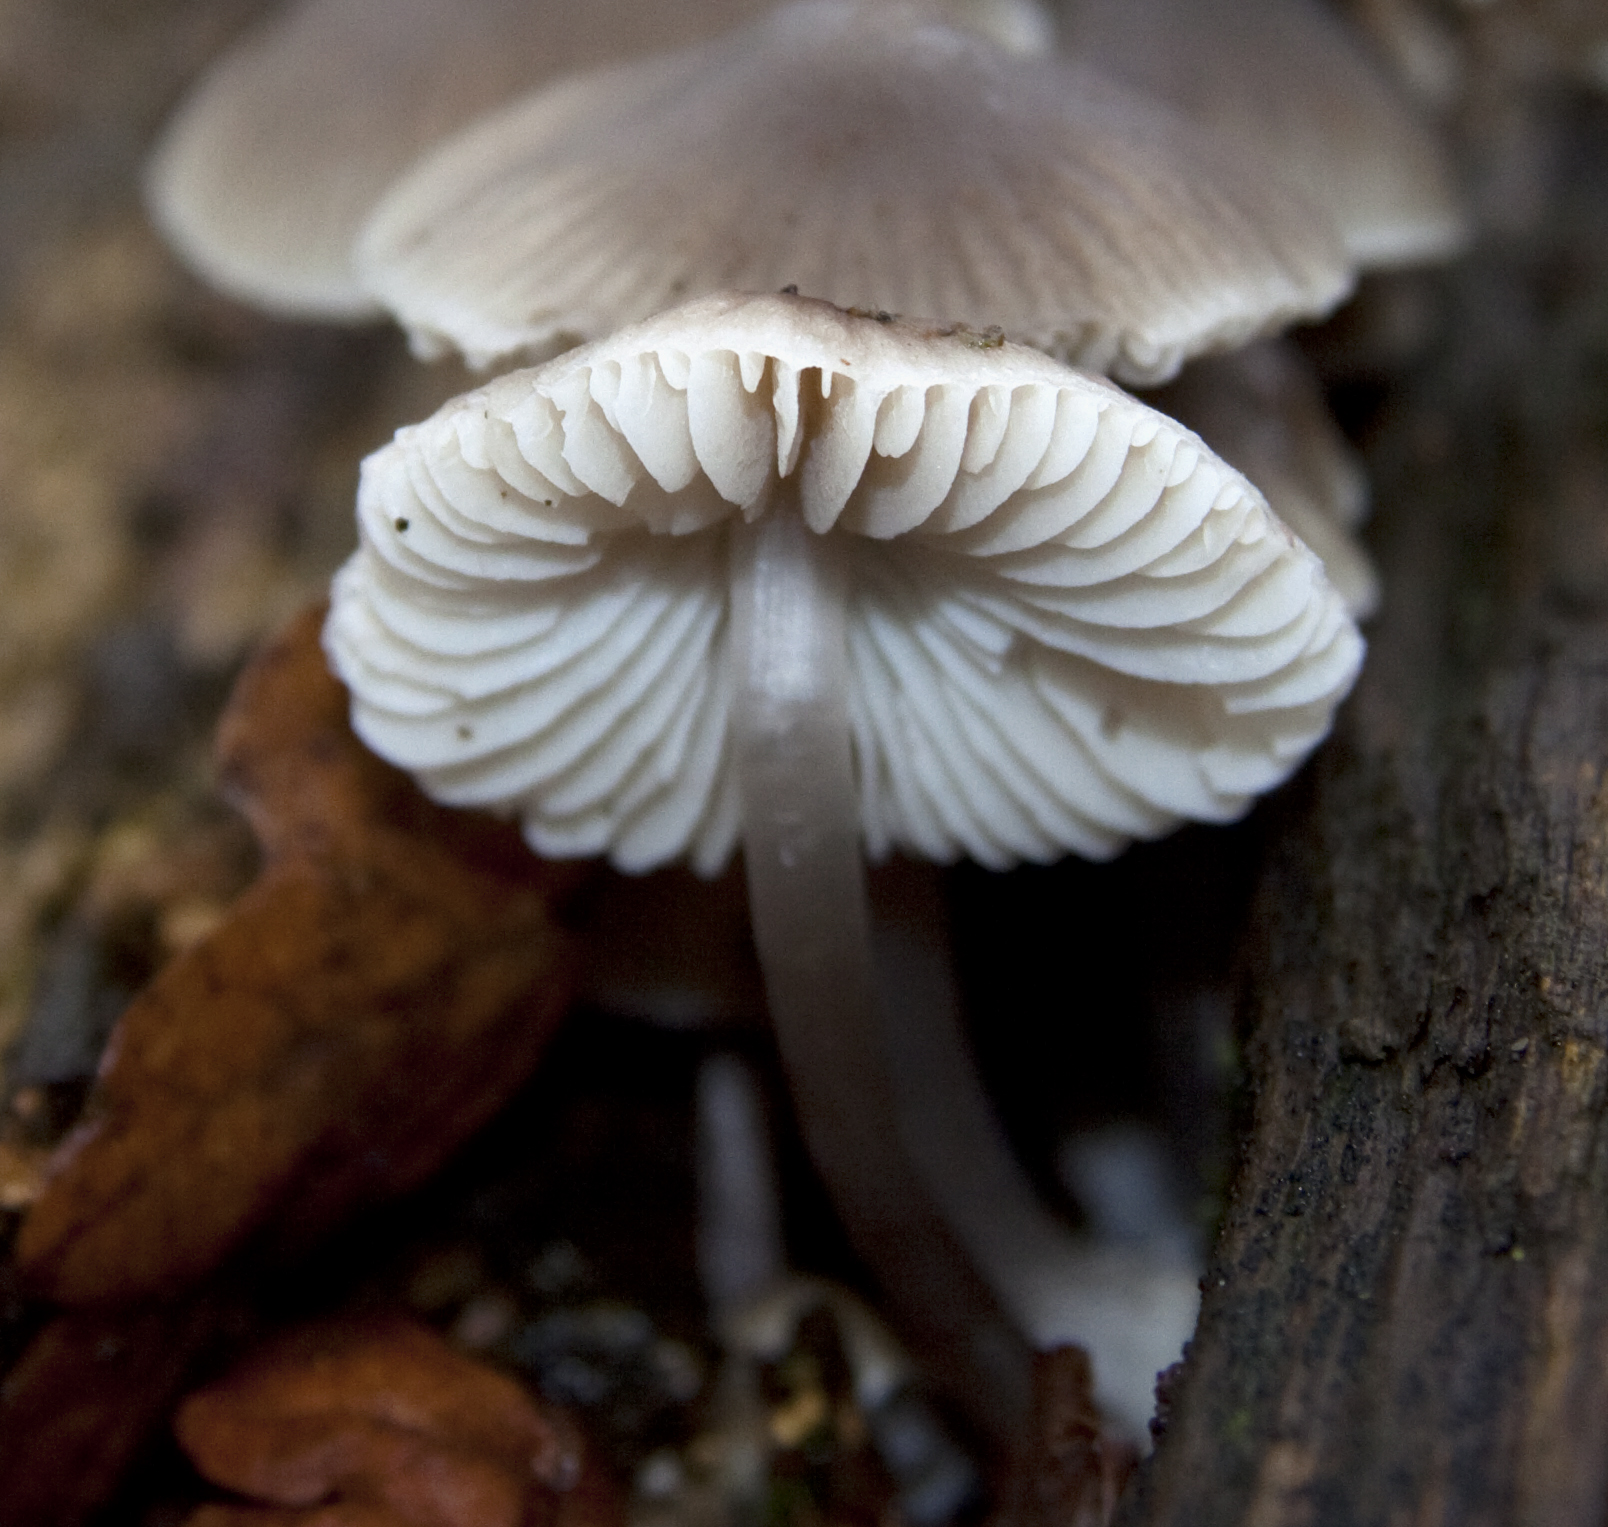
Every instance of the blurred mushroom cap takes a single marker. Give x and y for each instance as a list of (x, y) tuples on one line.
[(1069, 625), (867, 154), (268, 168), (1288, 83)]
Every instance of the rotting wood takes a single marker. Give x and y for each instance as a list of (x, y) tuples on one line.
[(1406, 1316)]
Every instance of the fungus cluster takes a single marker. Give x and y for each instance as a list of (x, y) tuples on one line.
[(789, 573)]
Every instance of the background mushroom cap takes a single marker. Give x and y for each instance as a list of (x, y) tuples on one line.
[(266, 172), (269, 167), (865, 154), (1023, 26), (1263, 410), (1069, 625), (1288, 83)]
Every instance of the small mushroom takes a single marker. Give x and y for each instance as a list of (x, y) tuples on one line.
[(1291, 86), (867, 154), (266, 172), (1130, 1304), (1289, 83), (762, 570)]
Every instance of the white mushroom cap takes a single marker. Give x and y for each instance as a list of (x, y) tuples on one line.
[(1023, 26), (1262, 408), (269, 167), (865, 154), (1069, 625), (1289, 84)]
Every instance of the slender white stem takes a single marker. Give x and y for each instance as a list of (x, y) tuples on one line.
[(1131, 1307), (950, 1130), (740, 1251), (807, 900)]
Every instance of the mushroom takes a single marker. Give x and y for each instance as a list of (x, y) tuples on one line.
[(1130, 1303), (1287, 82), (269, 167), (762, 570), (266, 172), (870, 155), (1288, 85)]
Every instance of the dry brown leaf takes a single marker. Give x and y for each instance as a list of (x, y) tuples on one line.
[(22, 1174), (381, 1424), (379, 993), (1069, 1473), (87, 1393)]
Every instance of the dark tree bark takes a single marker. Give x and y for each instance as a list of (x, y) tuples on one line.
[(1406, 1315)]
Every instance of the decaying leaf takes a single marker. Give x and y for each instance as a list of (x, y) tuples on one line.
[(89, 1390), (379, 993), (1068, 1474), (380, 1423), (22, 1171)]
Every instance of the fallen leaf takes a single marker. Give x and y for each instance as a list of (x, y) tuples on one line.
[(385, 986), (380, 1423), (22, 1174), (80, 1404), (1069, 1472)]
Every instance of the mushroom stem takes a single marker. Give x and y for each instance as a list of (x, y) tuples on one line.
[(811, 921), (953, 1134), (1130, 1306), (868, 1022)]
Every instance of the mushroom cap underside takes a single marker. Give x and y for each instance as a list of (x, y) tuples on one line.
[(1263, 410), (867, 154), (1069, 624)]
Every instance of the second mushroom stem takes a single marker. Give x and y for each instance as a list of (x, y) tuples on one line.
[(890, 1106)]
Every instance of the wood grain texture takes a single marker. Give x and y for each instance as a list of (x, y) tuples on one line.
[(1406, 1315)]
